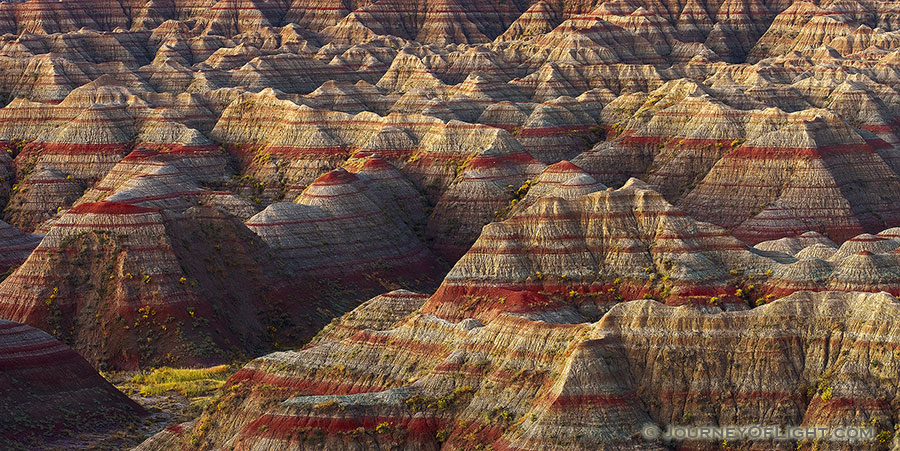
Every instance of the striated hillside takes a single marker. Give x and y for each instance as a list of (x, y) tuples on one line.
[(47, 390), (533, 383), (509, 355), (462, 224)]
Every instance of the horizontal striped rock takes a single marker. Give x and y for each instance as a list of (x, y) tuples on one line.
[(378, 313), (227, 58), (168, 180), (563, 179), (246, 170), (827, 173), (86, 146), (40, 196), (485, 187), (86, 142), (48, 391), (561, 128), (309, 140), (461, 21), (458, 22), (540, 18), (795, 245), (230, 17), (453, 163), (350, 226), (695, 158), (350, 98), (575, 244), (593, 250), (557, 69), (864, 263), (389, 188), (516, 383), (130, 286), (206, 164), (806, 26), (15, 245)]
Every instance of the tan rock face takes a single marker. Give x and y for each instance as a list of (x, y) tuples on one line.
[(118, 88), (216, 179), (130, 286), (505, 353), (530, 384)]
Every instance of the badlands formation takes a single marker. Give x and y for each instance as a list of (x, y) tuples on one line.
[(459, 224)]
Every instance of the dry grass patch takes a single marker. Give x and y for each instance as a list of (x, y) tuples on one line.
[(198, 385)]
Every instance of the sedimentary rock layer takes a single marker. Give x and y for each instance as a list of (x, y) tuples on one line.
[(532, 384), (215, 179), (47, 390)]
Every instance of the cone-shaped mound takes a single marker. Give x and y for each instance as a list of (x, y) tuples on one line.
[(39, 375)]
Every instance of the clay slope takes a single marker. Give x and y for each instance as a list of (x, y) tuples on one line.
[(15, 246), (784, 173), (288, 88), (85, 88), (129, 286), (210, 180), (151, 268), (347, 225), (49, 391), (593, 250), (505, 353), (521, 383), (577, 246)]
